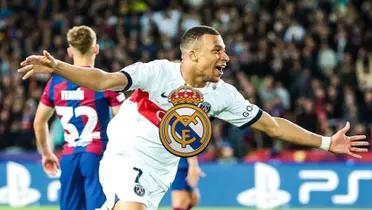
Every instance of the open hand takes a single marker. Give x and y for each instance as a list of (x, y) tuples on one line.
[(349, 145), (38, 64)]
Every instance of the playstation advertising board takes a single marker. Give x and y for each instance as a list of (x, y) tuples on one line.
[(262, 185)]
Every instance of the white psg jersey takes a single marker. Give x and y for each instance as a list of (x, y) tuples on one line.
[(134, 131)]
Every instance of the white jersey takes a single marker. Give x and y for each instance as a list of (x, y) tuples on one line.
[(134, 130)]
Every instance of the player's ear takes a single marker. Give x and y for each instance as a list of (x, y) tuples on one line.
[(193, 55), (70, 52), (96, 49)]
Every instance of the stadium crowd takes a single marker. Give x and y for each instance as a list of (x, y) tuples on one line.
[(309, 61)]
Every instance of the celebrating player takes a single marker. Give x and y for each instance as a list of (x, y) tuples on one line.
[(136, 170), (84, 114)]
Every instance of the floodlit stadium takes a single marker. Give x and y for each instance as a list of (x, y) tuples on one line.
[(308, 61)]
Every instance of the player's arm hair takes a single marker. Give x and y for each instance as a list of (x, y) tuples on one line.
[(281, 128), (41, 128), (92, 78)]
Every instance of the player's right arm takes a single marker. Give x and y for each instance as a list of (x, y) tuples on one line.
[(194, 172), (49, 160), (242, 113), (89, 77)]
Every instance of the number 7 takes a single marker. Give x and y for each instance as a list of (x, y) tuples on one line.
[(138, 175)]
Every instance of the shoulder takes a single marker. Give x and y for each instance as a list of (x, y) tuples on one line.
[(224, 87), (226, 93), (55, 79), (161, 62), (155, 63), (152, 65), (164, 64)]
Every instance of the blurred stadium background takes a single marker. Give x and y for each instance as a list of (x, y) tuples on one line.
[(309, 61)]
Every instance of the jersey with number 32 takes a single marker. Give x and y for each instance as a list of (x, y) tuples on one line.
[(84, 114)]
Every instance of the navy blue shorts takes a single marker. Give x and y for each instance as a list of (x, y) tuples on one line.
[(180, 182), (80, 186)]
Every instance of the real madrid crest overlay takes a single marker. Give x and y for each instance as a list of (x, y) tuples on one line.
[(185, 130)]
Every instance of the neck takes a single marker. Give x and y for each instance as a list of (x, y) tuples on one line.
[(84, 60), (191, 77)]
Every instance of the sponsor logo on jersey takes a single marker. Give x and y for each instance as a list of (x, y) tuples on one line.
[(185, 130), (248, 111)]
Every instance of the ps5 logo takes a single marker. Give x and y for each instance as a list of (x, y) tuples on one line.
[(18, 191), (266, 193), (328, 180)]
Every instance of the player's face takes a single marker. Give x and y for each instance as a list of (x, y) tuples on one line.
[(212, 57)]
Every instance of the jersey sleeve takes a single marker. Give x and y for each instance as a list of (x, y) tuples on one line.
[(141, 75), (114, 98), (46, 96), (239, 111)]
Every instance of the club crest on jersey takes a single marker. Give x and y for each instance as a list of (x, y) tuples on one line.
[(139, 190), (185, 130)]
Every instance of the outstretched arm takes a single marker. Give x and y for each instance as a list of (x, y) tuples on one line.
[(338, 143), (89, 77)]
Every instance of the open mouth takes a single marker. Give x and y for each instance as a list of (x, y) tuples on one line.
[(220, 68)]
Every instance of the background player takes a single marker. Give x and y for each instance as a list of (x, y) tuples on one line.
[(185, 193), (84, 114), (146, 167)]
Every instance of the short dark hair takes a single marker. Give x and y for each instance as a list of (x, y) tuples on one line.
[(195, 33)]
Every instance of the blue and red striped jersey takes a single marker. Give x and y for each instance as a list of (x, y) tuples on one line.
[(84, 113)]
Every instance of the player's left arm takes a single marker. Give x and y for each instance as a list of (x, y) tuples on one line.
[(338, 143)]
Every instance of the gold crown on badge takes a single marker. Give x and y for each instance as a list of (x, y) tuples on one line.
[(185, 95)]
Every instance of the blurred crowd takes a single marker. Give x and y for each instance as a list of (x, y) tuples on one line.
[(309, 61)]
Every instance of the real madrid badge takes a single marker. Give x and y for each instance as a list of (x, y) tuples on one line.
[(185, 130)]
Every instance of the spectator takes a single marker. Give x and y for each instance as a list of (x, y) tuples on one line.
[(364, 70), (302, 49)]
